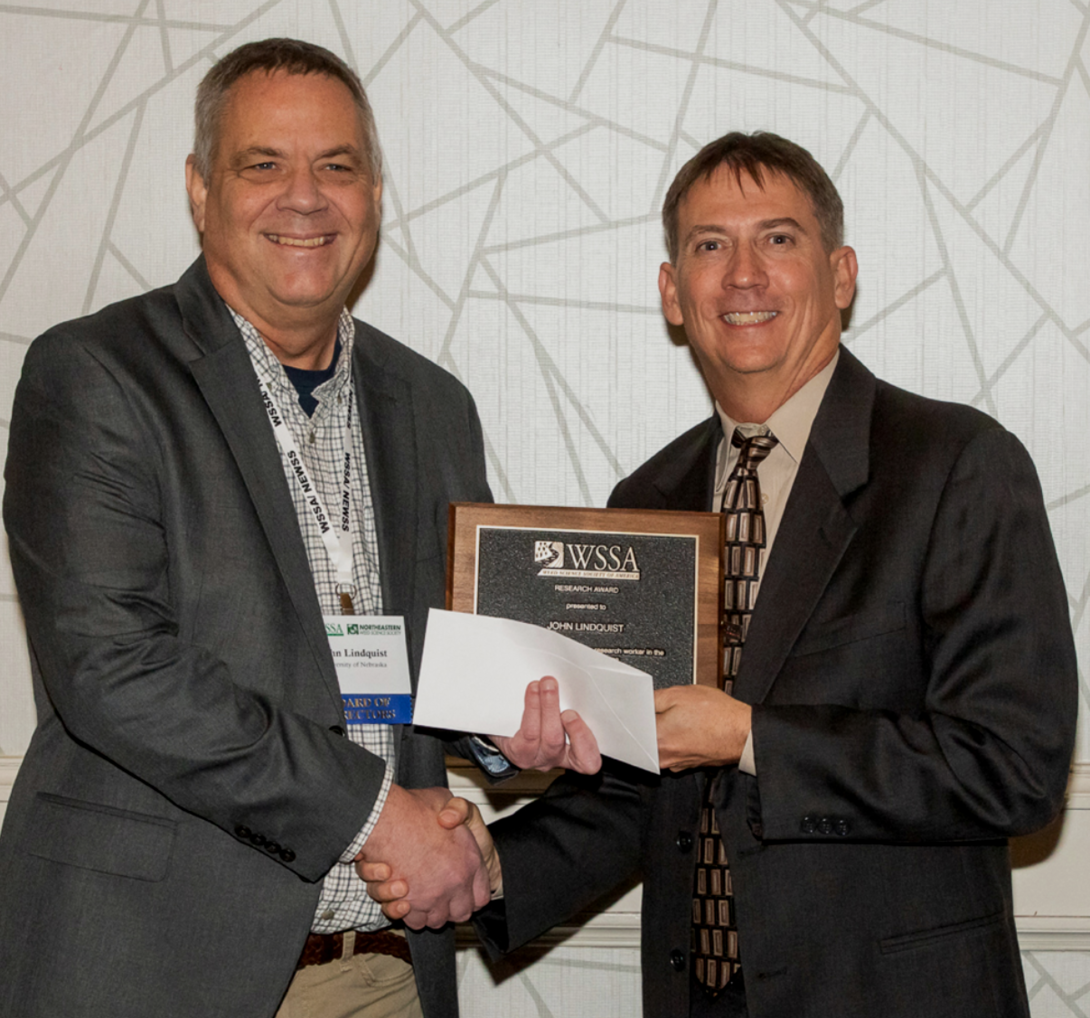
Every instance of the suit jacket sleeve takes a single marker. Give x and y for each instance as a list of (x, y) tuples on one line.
[(561, 853), (977, 745), (126, 675)]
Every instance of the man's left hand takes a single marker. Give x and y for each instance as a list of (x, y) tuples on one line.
[(699, 727), (548, 738)]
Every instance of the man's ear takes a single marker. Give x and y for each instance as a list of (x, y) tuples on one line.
[(198, 192), (845, 269), (668, 289)]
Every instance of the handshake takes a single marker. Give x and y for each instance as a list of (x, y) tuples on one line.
[(444, 866), (430, 859)]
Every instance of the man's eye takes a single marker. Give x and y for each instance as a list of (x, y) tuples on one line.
[(263, 166), (709, 245), (779, 239)]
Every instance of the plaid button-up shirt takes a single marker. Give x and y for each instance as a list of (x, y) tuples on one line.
[(343, 904)]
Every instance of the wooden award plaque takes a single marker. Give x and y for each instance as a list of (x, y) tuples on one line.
[(644, 586)]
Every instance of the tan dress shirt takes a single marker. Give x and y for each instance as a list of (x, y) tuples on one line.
[(791, 424)]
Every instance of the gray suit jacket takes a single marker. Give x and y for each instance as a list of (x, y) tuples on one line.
[(187, 700), (912, 671)]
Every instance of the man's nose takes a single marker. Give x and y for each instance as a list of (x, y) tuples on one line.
[(302, 192), (745, 269)]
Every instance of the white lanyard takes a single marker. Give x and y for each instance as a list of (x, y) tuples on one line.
[(337, 537)]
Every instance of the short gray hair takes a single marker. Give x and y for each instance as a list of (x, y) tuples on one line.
[(269, 55)]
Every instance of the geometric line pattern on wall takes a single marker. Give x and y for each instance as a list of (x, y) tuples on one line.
[(527, 149), (1057, 984)]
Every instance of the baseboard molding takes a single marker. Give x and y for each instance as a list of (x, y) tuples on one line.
[(9, 767), (601, 930), (1053, 933), (1078, 787)]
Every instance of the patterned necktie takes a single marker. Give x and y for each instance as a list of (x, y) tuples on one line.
[(715, 933)]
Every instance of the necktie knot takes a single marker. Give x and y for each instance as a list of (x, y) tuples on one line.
[(753, 448)]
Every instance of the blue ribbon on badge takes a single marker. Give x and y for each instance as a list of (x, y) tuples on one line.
[(378, 709)]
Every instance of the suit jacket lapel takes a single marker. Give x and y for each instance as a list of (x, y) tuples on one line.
[(225, 376), (688, 482), (385, 404), (815, 529), (386, 414)]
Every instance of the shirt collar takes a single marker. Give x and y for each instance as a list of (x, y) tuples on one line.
[(791, 423), (272, 370)]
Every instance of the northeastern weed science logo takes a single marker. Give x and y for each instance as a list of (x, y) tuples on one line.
[(586, 561)]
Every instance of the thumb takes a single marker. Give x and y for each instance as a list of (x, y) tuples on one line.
[(454, 814)]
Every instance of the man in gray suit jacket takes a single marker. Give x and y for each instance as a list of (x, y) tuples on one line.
[(904, 686), (182, 835)]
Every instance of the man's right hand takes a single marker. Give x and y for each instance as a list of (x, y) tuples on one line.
[(442, 865), (698, 726)]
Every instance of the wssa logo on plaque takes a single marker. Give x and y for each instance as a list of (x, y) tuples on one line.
[(587, 561)]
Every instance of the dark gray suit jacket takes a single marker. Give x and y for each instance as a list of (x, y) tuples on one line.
[(187, 700), (912, 671)]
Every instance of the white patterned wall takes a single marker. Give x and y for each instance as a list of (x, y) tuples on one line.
[(528, 144)]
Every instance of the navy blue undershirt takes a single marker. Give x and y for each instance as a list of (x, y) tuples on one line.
[(306, 382)]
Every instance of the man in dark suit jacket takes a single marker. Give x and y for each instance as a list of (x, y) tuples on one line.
[(906, 698), (190, 784)]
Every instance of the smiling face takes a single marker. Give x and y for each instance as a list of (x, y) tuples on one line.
[(290, 213), (758, 295)]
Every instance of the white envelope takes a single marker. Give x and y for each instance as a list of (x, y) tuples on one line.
[(475, 670)]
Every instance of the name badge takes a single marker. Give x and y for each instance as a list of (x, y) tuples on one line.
[(372, 668)]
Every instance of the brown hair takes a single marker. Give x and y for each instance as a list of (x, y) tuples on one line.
[(269, 55), (757, 154)]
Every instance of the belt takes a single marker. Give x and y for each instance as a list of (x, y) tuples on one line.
[(321, 948)]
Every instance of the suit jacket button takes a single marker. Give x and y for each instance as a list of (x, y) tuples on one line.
[(808, 825), (337, 730), (257, 840), (287, 855), (843, 828), (272, 848), (242, 832), (825, 825), (677, 961), (684, 841), (757, 828)]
